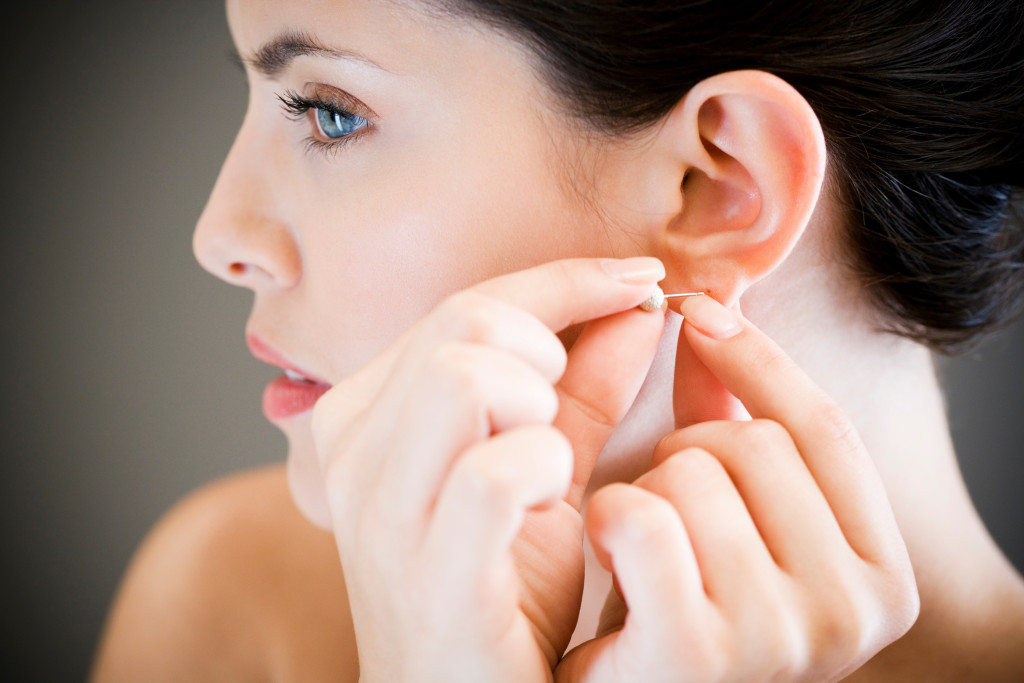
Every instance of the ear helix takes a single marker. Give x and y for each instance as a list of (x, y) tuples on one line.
[(656, 301)]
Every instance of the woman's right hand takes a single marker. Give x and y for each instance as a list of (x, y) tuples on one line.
[(455, 464), (759, 549)]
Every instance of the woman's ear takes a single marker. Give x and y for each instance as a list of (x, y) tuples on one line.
[(741, 160)]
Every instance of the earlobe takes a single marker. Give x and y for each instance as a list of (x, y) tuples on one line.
[(749, 162)]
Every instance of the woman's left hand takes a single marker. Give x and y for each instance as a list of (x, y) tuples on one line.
[(447, 471), (752, 550)]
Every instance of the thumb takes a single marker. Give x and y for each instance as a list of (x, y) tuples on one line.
[(697, 395), (606, 367)]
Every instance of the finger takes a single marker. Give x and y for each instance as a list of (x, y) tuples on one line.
[(606, 367), (733, 559), (472, 317), (389, 379), (503, 312), (640, 537), (463, 395), (697, 395), (557, 294), (468, 316), (482, 505), (569, 291), (784, 501), (770, 385)]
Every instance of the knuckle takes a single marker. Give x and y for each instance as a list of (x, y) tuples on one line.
[(608, 499), (858, 618), (791, 648), (694, 467), (784, 647), (707, 660), (841, 630), (457, 380), (487, 481), (900, 599), (906, 612), (649, 520), (668, 445), (712, 657), (468, 315), (910, 601), (770, 361), (837, 427), (457, 368), (764, 435), (561, 276), (589, 409)]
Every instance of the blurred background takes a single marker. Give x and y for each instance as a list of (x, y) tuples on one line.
[(129, 383)]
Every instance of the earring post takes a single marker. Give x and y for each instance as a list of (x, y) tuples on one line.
[(656, 301)]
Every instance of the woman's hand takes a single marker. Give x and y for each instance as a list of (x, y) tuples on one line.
[(455, 464), (752, 550)]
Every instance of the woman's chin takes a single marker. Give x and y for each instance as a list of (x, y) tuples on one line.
[(305, 481), (307, 490)]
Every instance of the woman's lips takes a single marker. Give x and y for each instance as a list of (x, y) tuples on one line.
[(286, 396), (291, 393)]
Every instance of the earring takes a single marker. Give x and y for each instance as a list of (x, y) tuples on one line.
[(656, 301)]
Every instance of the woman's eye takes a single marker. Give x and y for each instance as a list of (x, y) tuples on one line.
[(337, 124)]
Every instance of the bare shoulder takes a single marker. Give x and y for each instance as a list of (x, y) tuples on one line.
[(232, 584)]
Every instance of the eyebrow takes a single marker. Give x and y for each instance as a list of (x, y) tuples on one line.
[(275, 56)]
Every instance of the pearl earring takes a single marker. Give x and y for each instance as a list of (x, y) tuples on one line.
[(657, 299)]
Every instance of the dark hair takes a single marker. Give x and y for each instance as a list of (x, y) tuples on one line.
[(921, 102)]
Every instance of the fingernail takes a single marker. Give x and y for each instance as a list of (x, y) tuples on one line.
[(710, 317), (638, 270)]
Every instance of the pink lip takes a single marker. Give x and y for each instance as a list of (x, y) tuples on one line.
[(285, 397)]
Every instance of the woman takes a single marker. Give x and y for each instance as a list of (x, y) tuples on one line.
[(452, 185)]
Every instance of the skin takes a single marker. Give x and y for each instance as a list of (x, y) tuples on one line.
[(468, 172)]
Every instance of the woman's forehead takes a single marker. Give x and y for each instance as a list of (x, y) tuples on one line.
[(398, 37), (411, 62)]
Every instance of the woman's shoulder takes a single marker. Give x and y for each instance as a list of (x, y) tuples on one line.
[(232, 583)]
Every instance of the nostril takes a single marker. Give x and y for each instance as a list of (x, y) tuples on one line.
[(237, 269)]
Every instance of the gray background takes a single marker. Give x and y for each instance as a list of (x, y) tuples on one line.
[(128, 382)]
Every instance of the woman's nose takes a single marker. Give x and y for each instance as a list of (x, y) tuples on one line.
[(238, 237)]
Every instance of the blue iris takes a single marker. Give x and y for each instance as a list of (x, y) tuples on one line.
[(338, 124)]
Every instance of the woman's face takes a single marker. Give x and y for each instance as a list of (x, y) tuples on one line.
[(411, 157)]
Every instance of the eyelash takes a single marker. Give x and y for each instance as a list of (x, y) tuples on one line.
[(297, 108)]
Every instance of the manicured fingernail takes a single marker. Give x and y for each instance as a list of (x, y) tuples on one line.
[(638, 270), (710, 317)]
